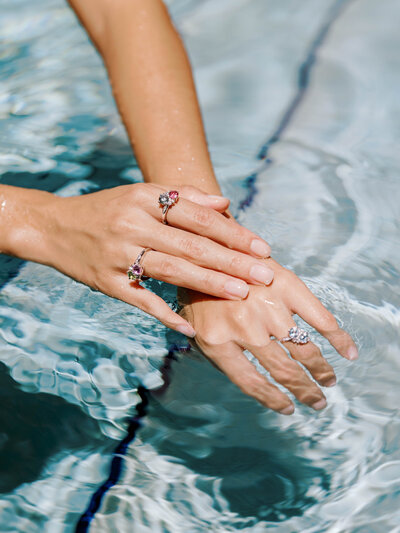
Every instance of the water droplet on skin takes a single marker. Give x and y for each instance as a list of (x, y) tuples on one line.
[(268, 302)]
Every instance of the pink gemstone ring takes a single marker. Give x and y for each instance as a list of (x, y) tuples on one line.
[(135, 271), (167, 200)]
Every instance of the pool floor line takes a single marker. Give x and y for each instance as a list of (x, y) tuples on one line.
[(116, 464), (303, 80), (134, 425)]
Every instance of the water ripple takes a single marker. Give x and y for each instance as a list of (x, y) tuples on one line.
[(207, 458)]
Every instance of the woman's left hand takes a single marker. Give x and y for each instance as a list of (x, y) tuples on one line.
[(226, 328)]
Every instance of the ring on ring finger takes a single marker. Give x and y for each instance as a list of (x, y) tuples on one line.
[(136, 270), (296, 335)]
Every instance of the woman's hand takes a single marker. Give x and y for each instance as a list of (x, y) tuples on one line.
[(224, 329), (95, 237)]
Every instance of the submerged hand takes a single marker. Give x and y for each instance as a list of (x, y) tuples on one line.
[(224, 329), (97, 236)]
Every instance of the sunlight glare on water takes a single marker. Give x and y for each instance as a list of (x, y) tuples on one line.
[(326, 197)]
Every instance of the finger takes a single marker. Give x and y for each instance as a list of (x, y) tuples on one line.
[(231, 360), (289, 374), (177, 271), (310, 309), (219, 203), (207, 253), (308, 354), (136, 295), (205, 221)]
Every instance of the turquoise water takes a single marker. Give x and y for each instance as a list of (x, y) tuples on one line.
[(314, 83)]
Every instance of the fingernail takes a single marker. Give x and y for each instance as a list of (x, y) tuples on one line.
[(260, 248), (320, 404), (287, 410), (330, 383), (186, 329), (238, 289), (352, 353), (261, 274)]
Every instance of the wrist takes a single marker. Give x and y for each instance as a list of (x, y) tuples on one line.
[(183, 169), (25, 222)]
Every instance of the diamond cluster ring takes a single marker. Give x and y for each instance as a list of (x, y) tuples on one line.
[(135, 271), (167, 200), (297, 335)]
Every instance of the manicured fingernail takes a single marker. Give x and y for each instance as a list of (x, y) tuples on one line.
[(287, 410), (261, 274), (260, 248), (352, 353), (320, 404), (238, 289), (330, 383), (186, 329)]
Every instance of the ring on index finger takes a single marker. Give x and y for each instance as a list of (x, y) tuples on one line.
[(167, 200)]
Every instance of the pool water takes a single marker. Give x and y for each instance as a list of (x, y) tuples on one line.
[(108, 423)]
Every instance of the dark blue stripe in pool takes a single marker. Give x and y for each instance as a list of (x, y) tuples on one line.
[(116, 464), (303, 79), (118, 455)]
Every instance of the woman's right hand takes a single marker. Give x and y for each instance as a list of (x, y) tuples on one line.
[(95, 237), (261, 325)]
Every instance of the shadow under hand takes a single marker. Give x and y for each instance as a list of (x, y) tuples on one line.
[(207, 424)]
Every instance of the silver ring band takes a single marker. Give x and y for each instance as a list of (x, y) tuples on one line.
[(135, 271), (164, 214)]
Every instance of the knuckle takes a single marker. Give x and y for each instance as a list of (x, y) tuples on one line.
[(310, 357), (254, 386), (273, 399), (288, 277), (187, 191), (208, 341), (236, 263), (145, 306), (97, 283), (122, 225), (140, 192), (239, 235), (310, 395), (203, 217), (287, 376), (212, 338), (209, 282), (191, 247), (327, 322), (167, 269)]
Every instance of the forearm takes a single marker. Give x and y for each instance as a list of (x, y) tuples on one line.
[(153, 87), (25, 220)]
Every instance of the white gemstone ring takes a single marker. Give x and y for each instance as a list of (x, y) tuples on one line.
[(297, 335), (167, 200)]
